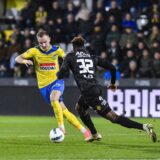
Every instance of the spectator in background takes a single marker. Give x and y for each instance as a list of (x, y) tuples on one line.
[(55, 12), (12, 14), (124, 65), (13, 47), (145, 65), (3, 60), (70, 9), (26, 34), (27, 44), (140, 47), (114, 51), (101, 71), (155, 46), (132, 70), (112, 35), (109, 22), (40, 14), (104, 55), (84, 21), (153, 9), (16, 35), (153, 36), (3, 51), (115, 11), (129, 22), (58, 31), (129, 46), (27, 18), (97, 39), (70, 27), (128, 36), (3, 69), (13, 50), (141, 36), (30, 72), (43, 25), (155, 19), (156, 65), (17, 73), (99, 7), (99, 20)]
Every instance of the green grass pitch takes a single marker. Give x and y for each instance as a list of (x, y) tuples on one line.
[(26, 138)]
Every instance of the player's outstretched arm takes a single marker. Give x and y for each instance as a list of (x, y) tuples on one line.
[(22, 60), (105, 64)]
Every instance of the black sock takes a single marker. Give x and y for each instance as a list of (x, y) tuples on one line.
[(88, 122), (129, 123)]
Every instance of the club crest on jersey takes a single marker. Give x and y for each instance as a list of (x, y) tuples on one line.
[(54, 56), (47, 66)]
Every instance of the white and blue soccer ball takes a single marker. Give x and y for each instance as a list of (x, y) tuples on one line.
[(56, 135)]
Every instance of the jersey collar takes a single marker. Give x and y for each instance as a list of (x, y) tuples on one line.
[(52, 49)]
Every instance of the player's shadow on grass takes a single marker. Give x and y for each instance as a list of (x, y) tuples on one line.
[(146, 148)]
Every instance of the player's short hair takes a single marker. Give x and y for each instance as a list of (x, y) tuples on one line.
[(41, 33), (78, 41)]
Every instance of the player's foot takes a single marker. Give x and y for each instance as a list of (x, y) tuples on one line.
[(88, 136), (63, 130), (97, 136), (149, 129)]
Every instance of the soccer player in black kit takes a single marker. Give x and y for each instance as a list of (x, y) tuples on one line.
[(83, 66)]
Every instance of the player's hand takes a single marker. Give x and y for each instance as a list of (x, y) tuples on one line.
[(27, 62), (113, 87)]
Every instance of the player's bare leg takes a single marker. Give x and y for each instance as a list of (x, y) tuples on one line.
[(71, 118), (85, 117), (126, 122), (54, 98)]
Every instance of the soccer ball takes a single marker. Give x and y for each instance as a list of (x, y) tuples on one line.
[(56, 135)]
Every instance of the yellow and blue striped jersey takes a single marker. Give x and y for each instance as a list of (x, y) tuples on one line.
[(46, 63)]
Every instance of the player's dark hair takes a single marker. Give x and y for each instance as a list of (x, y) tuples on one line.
[(78, 41), (41, 33)]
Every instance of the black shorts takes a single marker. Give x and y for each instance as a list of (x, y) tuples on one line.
[(93, 98)]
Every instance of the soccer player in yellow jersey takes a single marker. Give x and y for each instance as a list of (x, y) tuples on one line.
[(45, 59)]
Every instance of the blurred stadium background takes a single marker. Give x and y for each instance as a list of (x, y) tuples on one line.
[(124, 32)]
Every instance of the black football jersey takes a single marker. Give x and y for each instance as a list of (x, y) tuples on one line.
[(83, 66)]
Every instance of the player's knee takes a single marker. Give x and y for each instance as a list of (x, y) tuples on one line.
[(80, 110), (102, 110), (54, 98)]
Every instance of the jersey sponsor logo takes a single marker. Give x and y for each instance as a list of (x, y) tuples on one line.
[(47, 66), (82, 54)]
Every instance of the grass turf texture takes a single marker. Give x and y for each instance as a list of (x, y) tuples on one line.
[(26, 138)]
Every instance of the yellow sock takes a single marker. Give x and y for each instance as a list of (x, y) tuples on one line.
[(58, 112), (72, 119)]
